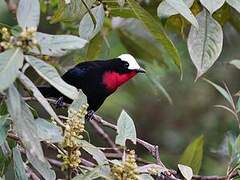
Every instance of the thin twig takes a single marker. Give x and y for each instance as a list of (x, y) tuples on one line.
[(100, 130), (153, 149)]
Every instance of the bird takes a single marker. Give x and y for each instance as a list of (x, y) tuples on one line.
[(97, 79)]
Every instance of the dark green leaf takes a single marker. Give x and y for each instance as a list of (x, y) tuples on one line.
[(156, 29), (16, 30), (193, 154)]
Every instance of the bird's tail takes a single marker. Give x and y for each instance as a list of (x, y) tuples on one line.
[(47, 91)]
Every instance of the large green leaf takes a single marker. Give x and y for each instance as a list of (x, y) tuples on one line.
[(98, 155), (193, 154), (58, 45), (87, 28), (181, 8), (37, 94), (23, 124), (4, 127), (20, 172), (10, 61), (71, 11), (165, 9), (205, 44), (50, 74), (212, 6), (156, 29), (125, 129), (48, 131), (28, 13), (235, 4)]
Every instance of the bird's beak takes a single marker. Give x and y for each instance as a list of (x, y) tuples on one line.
[(141, 70)]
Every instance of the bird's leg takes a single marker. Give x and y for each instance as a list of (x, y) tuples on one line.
[(89, 115), (59, 102)]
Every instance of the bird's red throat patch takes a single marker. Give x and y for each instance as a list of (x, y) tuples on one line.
[(112, 80)]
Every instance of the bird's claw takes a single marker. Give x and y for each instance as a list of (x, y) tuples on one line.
[(59, 102), (89, 115)]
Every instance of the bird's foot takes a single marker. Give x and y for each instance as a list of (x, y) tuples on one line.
[(59, 102), (89, 115)]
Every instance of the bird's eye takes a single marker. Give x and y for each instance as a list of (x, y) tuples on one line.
[(126, 64)]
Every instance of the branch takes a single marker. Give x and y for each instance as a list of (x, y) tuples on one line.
[(153, 149)]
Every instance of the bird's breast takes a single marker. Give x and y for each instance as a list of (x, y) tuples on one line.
[(112, 80)]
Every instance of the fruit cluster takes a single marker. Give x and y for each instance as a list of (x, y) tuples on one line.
[(127, 170), (25, 39), (72, 134)]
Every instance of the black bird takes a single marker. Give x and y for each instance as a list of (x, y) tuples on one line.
[(97, 79)]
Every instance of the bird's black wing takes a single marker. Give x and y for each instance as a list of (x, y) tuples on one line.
[(78, 74)]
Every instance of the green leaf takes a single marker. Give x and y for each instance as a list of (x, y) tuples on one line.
[(234, 4), (93, 173), (58, 45), (87, 29), (238, 105), (181, 8), (4, 127), (236, 63), (16, 30), (98, 155), (48, 131), (125, 129), (10, 61), (222, 91), (20, 172), (212, 6), (75, 10), (37, 94), (26, 130), (3, 108), (28, 13), (50, 74), (156, 29), (165, 9), (94, 47), (205, 44), (77, 103), (185, 171), (193, 154)]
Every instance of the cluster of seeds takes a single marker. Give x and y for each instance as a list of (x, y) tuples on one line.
[(72, 134), (127, 170), (25, 40)]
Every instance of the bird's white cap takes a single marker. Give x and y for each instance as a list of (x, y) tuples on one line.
[(131, 61)]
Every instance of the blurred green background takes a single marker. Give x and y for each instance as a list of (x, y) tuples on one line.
[(171, 126)]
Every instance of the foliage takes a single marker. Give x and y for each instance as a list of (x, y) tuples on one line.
[(23, 47)]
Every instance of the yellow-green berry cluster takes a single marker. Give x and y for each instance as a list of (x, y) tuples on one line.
[(72, 134), (25, 40), (153, 171), (127, 170)]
